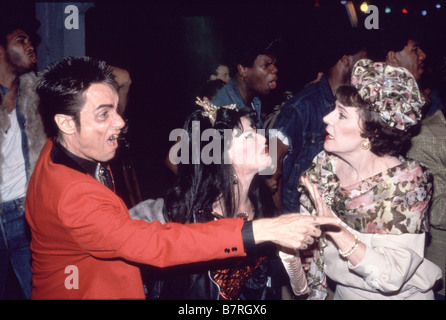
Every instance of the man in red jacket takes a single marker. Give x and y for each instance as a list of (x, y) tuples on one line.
[(84, 243)]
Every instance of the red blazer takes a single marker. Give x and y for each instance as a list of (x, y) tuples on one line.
[(84, 243)]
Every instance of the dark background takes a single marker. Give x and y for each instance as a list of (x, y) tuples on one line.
[(169, 45)]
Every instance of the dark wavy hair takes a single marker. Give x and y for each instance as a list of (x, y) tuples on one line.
[(384, 140), (199, 186)]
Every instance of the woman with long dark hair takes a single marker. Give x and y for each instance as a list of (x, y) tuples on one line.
[(221, 159), (225, 187)]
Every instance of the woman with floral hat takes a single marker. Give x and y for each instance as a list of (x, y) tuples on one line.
[(381, 197)]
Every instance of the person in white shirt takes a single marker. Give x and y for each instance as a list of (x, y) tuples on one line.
[(21, 139)]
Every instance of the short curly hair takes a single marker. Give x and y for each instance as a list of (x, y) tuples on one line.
[(27, 24), (384, 140)]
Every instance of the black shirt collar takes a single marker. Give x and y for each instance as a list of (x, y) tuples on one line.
[(60, 155)]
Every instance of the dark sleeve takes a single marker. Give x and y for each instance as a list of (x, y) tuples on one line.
[(248, 238), (289, 123)]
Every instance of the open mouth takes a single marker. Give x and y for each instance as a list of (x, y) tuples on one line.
[(328, 137), (273, 84), (32, 57), (113, 140)]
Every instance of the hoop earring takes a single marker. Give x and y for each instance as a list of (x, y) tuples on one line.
[(365, 144)]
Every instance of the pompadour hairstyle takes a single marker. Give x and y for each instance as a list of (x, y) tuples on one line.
[(61, 87)]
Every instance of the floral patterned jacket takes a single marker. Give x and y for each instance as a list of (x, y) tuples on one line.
[(393, 202)]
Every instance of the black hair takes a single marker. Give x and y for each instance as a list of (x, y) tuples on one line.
[(199, 186), (248, 46), (61, 87), (19, 22), (339, 42), (211, 87), (384, 140), (394, 39)]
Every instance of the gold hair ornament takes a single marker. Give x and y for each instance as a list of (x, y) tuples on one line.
[(210, 110)]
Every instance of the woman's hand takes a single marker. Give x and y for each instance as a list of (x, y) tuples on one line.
[(322, 208), (341, 236)]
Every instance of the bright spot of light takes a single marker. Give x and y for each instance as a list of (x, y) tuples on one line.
[(364, 6)]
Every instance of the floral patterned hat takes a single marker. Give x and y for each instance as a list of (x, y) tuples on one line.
[(391, 91)]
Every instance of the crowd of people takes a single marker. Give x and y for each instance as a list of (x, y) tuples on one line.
[(335, 194)]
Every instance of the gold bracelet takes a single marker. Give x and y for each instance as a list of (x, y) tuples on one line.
[(350, 250)]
